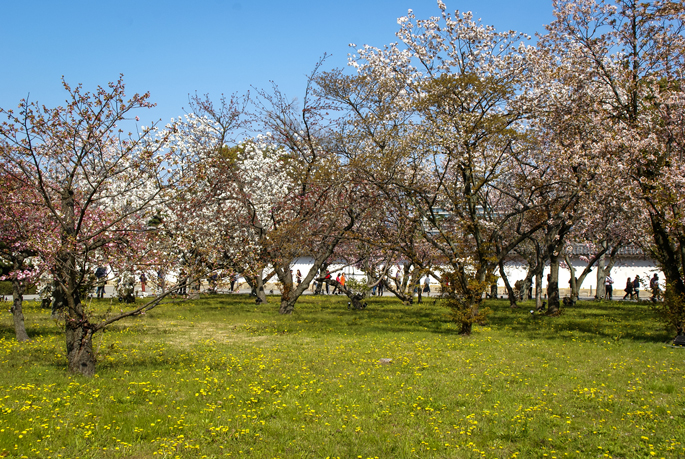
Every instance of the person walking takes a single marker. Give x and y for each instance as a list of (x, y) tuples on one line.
[(343, 279), (427, 287), (608, 287), (337, 280), (101, 276), (636, 287), (213, 282), (326, 280), (654, 285), (629, 289), (143, 280)]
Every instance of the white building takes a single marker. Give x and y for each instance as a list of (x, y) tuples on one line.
[(631, 262)]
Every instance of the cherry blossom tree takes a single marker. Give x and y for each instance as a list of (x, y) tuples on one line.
[(448, 107), (325, 202), (200, 229), (630, 57), (24, 233), (387, 248), (607, 222), (274, 197), (98, 185)]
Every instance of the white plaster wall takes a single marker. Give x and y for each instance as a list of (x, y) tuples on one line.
[(622, 270)]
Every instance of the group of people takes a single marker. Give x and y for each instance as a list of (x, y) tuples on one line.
[(340, 281), (101, 275), (633, 288), (426, 287), (124, 284), (325, 284)]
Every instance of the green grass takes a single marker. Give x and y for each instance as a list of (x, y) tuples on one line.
[(6, 289), (222, 377)]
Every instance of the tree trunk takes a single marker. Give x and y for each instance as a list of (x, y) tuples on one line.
[(601, 277), (527, 283), (18, 298), (79, 336), (78, 329), (553, 285), (403, 284), (287, 299), (357, 301), (669, 255), (356, 298), (407, 300), (579, 280), (259, 287), (59, 303), (319, 283), (256, 284), (415, 284), (510, 291), (613, 256), (538, 290), (290, 295), (287, 306), (573, 283), (291, 292), (80, 347)]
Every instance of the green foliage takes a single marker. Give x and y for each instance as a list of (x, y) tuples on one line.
[(232, 153), (155, 221), (223, 377), (358, 286), (672, 309), (5, 267), (463, 296), (6, 288)]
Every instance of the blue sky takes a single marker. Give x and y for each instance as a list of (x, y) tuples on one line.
[(174, 48)]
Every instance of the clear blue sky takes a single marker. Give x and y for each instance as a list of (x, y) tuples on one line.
[(174, 48)]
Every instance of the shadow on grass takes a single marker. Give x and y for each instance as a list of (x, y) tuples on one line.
[(43, 328), (328, 316), (601, 320), (322, 315)]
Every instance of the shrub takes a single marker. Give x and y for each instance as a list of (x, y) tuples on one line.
[(463, 295), (672, 309)]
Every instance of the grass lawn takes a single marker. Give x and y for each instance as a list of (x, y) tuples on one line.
[(222, 377)]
